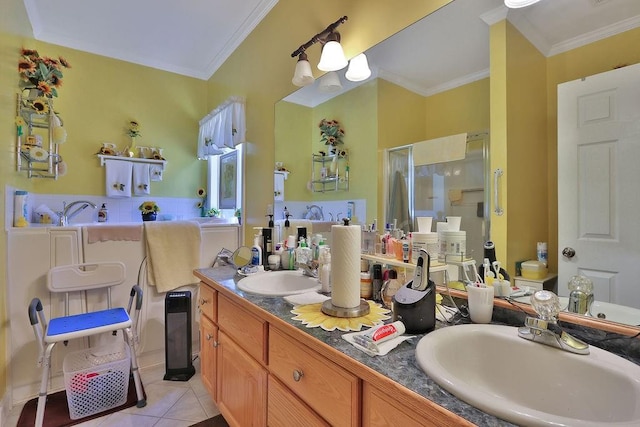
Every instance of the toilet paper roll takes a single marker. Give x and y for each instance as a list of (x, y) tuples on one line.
[(345, 266)]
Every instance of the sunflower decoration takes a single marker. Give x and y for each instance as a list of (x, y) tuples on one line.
[(134, 129), (202, 195), (311, 316), (149, 207), (40, 105), (41, 72), (20, 123), (331, 133)]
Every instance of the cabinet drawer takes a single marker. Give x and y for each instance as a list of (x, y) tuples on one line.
[(327, 388), (207, 302), (286, 410), (247, 330)]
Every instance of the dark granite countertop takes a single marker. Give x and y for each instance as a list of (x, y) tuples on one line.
[(400, 364)]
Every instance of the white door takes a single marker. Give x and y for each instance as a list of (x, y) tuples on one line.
[(598, 178)]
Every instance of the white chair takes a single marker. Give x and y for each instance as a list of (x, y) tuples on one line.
[(80, 278)]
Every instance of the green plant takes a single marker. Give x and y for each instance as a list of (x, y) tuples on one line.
[(41, 73), (214, 212)]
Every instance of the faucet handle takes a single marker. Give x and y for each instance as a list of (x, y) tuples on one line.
[(581, 283), (546, 304)]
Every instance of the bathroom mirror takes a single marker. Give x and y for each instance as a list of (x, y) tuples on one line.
[(389, 66)]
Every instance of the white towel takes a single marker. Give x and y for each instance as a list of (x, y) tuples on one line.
[(173, 251), (155, 171), (141, 179), (118, 180)]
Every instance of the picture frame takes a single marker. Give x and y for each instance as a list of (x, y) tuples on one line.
[(228, 181)]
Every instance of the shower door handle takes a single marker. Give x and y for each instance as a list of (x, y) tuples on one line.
[(496, 181)]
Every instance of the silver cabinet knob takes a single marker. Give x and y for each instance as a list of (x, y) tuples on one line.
[(568, 252), (297, 375), (215, 344), (209, 336)]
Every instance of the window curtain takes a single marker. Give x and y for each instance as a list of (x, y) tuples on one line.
[(224, 127)]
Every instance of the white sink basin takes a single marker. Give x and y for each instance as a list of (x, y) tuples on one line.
[(278, 283), (527, 383)]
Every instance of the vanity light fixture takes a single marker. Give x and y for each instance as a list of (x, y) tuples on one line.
[(330, 82), (303, 75), (514, 4), (331, 59), (358, 68)]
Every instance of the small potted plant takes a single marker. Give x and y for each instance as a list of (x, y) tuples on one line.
[(149, 210)]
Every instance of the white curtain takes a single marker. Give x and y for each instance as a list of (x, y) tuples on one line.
[(223, 127)]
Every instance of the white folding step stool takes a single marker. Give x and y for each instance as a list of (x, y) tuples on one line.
[(79, 278)]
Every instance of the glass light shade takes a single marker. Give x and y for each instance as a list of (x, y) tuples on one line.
[(303, 75), (514, 4), (358, 69), (332, 58), (330, 82)]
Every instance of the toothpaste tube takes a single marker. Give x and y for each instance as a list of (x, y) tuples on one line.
[(375, 336)]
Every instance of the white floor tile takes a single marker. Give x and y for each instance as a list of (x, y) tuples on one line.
[(169, 404)]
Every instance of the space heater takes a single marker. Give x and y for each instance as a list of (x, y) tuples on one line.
[(177, 336)]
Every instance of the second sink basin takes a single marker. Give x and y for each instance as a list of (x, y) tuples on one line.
[(278, 283), (528, 383)]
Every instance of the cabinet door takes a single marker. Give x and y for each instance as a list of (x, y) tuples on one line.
[(286, 410), (208, 355), (241, 385)]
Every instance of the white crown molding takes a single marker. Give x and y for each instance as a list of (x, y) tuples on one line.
[(593, 36), (238, 37), (424, 91), (496, 15)]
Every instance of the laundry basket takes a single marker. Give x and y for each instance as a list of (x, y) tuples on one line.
[(96, 379)]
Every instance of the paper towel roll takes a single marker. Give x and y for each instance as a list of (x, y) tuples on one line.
[(345, 266)]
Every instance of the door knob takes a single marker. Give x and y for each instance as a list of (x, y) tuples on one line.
[(568, 252)]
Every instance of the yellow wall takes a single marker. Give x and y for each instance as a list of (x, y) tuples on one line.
[(294, 125), (518, 121)]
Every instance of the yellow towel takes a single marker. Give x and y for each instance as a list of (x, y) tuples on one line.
[(173, 252), (455, 196)]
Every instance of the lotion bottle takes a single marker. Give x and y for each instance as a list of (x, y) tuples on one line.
[(256, 251)]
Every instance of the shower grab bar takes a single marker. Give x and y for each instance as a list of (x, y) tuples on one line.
[(496, 206)]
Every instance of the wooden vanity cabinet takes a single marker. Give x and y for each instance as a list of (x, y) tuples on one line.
[(268, 373)]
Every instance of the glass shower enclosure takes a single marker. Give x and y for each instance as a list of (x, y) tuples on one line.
[(450, 188)]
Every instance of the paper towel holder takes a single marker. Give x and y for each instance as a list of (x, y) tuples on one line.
[(331, 310)]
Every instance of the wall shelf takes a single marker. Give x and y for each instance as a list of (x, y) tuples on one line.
[(329, 173), (36, 152)]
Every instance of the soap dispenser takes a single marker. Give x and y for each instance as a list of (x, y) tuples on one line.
[(103, 213)]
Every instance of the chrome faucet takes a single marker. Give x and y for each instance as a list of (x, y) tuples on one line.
[(309, 269), (545, 329), (66, 216), (581, 296)]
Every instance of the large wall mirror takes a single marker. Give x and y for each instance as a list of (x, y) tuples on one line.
[(432, 80)]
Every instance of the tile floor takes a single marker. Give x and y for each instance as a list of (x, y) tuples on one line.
[(169, 404)]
